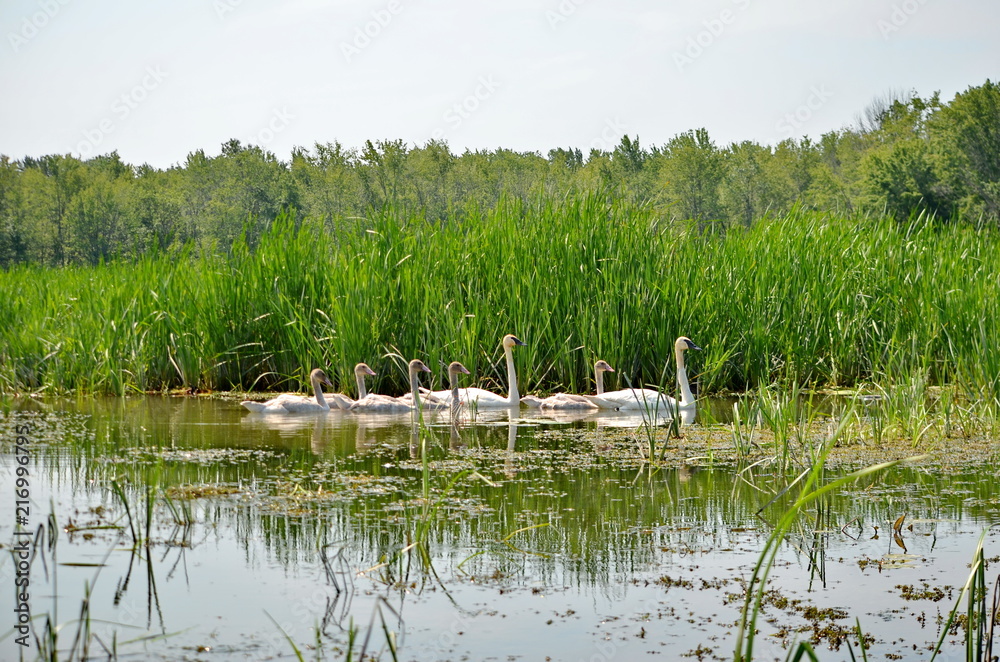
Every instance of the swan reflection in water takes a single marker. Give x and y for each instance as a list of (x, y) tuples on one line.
[(373, 429), (628, 418)]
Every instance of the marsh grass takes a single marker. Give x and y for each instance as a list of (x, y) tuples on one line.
[(810, 492), (45, 546), (978, 637), (804, 299), (422, 515)]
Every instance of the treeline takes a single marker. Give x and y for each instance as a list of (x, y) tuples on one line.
[(904, 155)]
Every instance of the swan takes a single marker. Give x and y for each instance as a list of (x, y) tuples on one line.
[(293, 403), (648, 399), (454, 370), (342, 401), (384, 403), (483, 399), (570, 400)]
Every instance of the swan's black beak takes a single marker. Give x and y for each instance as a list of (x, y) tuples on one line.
[(691, 345), (517, 341)]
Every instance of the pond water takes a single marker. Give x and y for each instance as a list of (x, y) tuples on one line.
[(511, 536)]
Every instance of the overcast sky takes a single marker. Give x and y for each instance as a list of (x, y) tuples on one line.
[(158, 80)]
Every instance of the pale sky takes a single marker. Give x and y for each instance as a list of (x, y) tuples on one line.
[(157, 80)]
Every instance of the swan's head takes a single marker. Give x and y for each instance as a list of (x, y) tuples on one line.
[(416, 365), (510, 340), (455, 368), (363, 369), (318, 375), (602, 366), (684, 343)]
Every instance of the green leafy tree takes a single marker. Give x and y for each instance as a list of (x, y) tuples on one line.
[(100, 226), (429, 169), (14, 239), (896, 170), (327, 182), (155, 200), (789, 173), (61, 178), (745, 193), (381, 167), (691, 170), (965, 141), (834, 178)]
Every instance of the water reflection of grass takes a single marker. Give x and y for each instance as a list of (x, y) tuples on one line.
[(813, 488)]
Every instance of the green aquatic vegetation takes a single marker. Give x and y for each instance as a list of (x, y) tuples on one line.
[(800, 299), (566, 507), (978, 637), (810, 492), (743, 428)]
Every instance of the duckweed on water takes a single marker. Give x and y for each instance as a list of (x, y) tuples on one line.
[(202, 491)]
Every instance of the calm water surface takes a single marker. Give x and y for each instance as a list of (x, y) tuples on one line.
[(544, 539)]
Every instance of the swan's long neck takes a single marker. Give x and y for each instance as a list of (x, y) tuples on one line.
[(415, 388), (599, 380), (687, 398), (362, 389), (318, 389), (513, 397), (455, 401)]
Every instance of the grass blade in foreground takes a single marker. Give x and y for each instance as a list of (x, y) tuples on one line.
[(977, 614), (810, 493)]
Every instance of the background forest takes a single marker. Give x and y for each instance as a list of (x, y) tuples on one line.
[(903, 155)]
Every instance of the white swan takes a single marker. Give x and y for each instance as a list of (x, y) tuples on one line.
[(374, 402), (571, 400), (293, 403), (650, 400), (483, 399), (342, 401)]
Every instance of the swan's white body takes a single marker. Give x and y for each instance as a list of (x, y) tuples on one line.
[(564, 401), (650, 400), (483, 399), (293, 403), (342, 401), (374, 402)]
